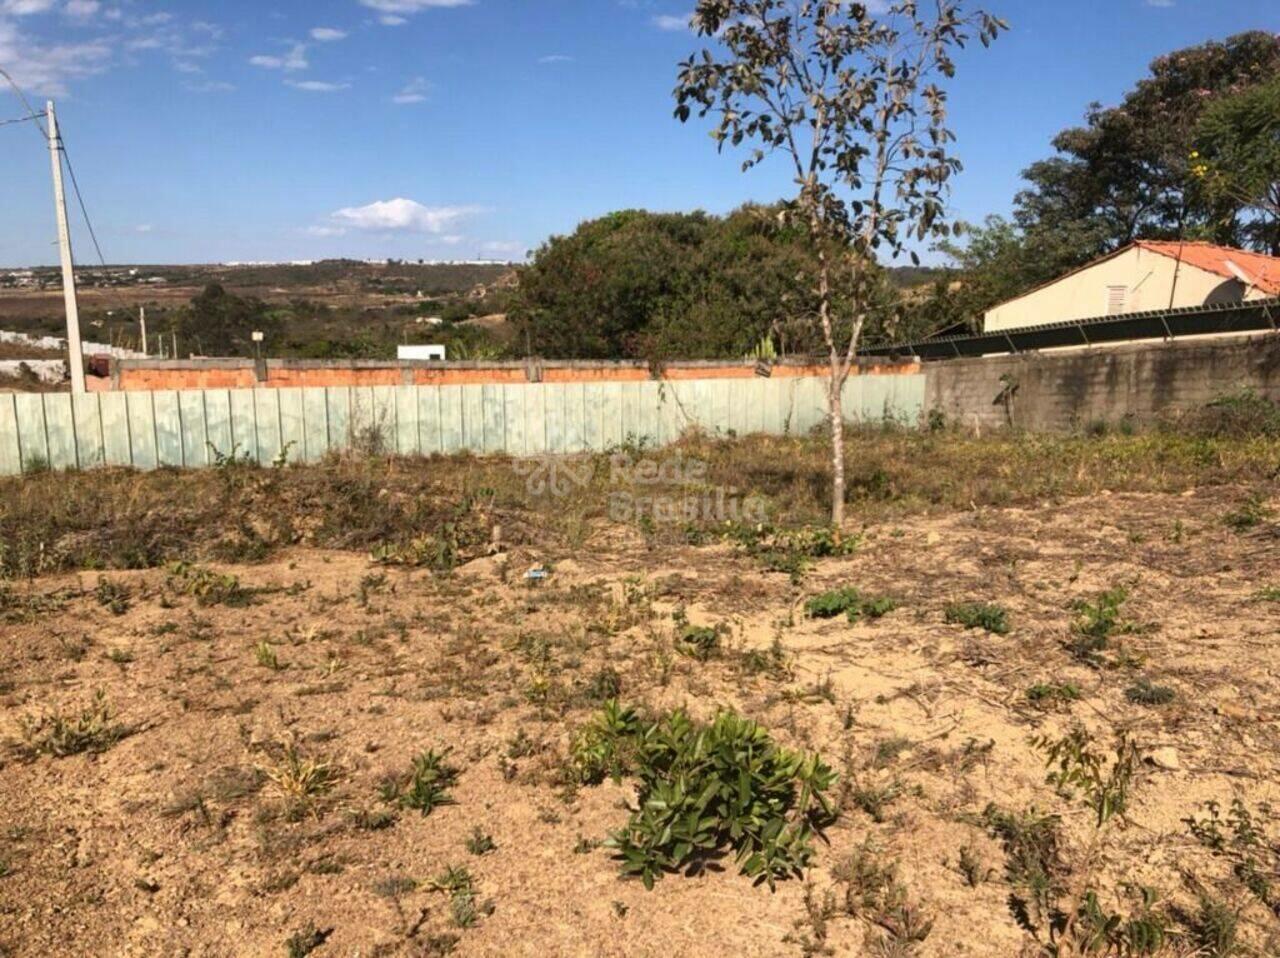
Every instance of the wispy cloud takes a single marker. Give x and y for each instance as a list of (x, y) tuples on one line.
[(327, 34), (415, 91), (393, 13), (26, 8), (211, 86), (82, 9), (400, 216), (555, 58), (48, 69), (1162, 4), (673, 23), (292, 61), (317, 86)]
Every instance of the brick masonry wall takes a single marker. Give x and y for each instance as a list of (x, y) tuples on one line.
[(1069, 390), (151, 374)]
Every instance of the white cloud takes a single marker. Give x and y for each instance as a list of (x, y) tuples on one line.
[(26, 8), (402, 216), (389, 20), (143, 228), (327, 34), (48, 70), (294, 60), (211, 86), (411, 6), (317, 86), (504, 250), (671, 23), (82, 9), (1163, 4), (555, 58), (325, 231), (415, 91)]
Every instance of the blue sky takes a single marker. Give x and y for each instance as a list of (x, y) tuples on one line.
[(215, 130)]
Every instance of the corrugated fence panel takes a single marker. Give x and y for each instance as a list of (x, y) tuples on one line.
[(473, 418), (31, 435), (315, 423), (244, 427), (514, 398), (495, 414), (60, 429), (338, 416), (429, 427), (535, 418), (142, 429), (293, 432), (10, 451), (407, 442), (169, 428), (219, 435), (192, 428), (116, 446), (88, 422)]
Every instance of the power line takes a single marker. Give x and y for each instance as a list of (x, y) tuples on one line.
[(34, 114), (21, 119), (62, 145)]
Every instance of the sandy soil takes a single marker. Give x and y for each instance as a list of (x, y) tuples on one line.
[(176, 841)]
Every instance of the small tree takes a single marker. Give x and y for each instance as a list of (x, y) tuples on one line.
[(852, 100)]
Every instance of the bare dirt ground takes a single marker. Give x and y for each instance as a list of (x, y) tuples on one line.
[(179, 839)]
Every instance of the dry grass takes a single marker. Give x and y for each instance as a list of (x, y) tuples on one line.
[(263, 810)]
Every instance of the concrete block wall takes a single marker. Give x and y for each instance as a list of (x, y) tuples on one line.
[(1064, 390)]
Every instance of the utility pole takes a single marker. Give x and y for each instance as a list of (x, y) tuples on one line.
[(75, 359), (142, 318)]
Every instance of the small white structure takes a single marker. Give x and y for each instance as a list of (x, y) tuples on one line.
[(434, 353)]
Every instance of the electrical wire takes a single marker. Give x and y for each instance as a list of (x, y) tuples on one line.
[(21, 119), (25, 102), (80, 199), (62, 148)]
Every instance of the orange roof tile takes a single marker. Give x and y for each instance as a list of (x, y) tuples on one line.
[(1262, 271)]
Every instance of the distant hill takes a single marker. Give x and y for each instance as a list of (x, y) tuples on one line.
[(908, 277)]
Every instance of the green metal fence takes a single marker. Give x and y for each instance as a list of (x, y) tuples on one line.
[(194, 428)]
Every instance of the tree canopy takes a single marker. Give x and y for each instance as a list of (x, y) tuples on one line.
[(654, 286)]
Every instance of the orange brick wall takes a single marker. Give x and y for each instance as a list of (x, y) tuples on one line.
[(136, 376)]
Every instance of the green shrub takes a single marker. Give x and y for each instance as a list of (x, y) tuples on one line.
[(605, 746), (1045, 695), (1251, 513), (706, 788), (427, 785), (850, 603), (979, 615), (700, 642), (1143, 692), (90, 730), (1097, 623)]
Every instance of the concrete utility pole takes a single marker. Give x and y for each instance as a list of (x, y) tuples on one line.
[(142, 318), (75, 360)]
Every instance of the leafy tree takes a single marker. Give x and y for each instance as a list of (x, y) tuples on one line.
[(1238, 159), (659, 286), (851, 100), (591, 294), (218, 323), (1126, 174)]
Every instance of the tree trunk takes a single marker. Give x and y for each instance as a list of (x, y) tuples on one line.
[(835, 407), (835, 410)]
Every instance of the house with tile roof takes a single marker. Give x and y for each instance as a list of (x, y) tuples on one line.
[(1141, 277)]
